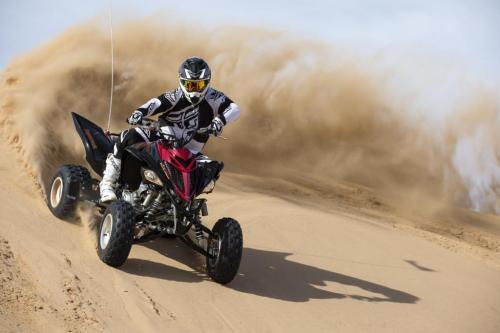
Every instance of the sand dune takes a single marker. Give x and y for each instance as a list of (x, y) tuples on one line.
[(303, 269)]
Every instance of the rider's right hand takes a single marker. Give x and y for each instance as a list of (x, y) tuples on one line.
[(216, 127), (135, 118)]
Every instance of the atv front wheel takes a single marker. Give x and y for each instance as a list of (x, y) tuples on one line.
[(65, 189), (116, 233), (226, 246)]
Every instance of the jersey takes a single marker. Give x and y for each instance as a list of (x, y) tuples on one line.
[(184, 118)]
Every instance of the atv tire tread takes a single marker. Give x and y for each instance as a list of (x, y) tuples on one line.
[(230, 252), (73, 177), (122, 235)]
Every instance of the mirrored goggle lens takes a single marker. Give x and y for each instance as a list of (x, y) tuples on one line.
[(194, 86)]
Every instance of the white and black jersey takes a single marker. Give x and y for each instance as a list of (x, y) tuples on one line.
[(185, 118)]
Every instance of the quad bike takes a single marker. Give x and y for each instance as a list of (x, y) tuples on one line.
[(157, 196)]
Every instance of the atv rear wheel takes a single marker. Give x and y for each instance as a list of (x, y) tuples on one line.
[(115, 234), (227, 246), (65, 189)]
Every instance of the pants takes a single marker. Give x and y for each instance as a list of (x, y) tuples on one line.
[(133, 136)]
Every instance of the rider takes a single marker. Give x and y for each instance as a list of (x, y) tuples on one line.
[(184, 110)]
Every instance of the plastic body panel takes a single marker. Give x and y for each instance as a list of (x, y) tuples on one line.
[(97, 144)]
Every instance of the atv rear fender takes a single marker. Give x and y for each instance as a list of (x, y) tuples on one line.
[(97, 144)]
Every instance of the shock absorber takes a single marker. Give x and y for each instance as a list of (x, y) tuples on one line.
[(198, 231), (155, 206), (149, 197)]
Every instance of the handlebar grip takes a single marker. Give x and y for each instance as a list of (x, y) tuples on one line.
[(204, 130)]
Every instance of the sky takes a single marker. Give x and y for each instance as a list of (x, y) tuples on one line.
[(462, 36)]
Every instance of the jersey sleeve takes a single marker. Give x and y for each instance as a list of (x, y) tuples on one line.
[(227, 110), (164, 102)]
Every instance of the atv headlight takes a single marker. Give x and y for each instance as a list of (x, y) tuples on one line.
[(152, 177), (209, 188)]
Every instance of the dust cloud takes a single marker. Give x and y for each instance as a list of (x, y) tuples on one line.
[(306, 110)]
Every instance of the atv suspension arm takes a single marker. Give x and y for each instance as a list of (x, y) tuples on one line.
[(186, 240)]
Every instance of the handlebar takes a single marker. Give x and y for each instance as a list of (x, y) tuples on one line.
[(154, 124), (148, 121), (143, 122), (205, 130)]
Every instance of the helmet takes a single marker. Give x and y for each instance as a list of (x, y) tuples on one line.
[(194, 78)]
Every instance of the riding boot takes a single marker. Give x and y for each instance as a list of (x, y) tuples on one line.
[(109, 178)]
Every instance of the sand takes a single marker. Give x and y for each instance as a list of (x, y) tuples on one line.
[(304, 267)]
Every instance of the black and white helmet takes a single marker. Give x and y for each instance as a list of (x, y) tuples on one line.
[(194, 79)]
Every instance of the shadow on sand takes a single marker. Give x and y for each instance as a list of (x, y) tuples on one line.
[(419, 267), (266, 273)]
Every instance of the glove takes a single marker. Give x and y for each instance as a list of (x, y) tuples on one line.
[(216, 126), (135, 118)]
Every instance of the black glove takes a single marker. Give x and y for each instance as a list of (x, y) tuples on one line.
[(216, 126), (135, 118)]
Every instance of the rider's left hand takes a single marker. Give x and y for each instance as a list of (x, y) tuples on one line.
[(216, 126)]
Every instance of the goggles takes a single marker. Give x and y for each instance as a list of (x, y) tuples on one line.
[(194, 85)]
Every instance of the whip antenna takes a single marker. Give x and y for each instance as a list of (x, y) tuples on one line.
[(112, 67)]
